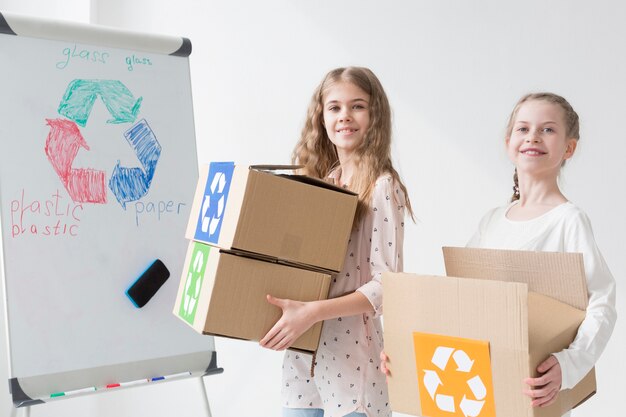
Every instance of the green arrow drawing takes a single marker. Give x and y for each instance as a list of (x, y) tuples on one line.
[(80, 96)]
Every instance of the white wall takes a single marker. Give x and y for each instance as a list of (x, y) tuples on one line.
[(452, 70)]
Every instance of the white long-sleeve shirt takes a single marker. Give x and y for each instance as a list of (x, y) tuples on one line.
[(565, 228), (347, 377)]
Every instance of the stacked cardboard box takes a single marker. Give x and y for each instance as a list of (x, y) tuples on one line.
[(254, 232), (522, 306)]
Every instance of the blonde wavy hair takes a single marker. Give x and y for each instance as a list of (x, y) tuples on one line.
[(572, 123), (318, 156)]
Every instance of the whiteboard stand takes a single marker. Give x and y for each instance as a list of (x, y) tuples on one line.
[(25, 413), (206, 397)]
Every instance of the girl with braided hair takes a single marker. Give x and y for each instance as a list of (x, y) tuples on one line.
[(542, 133)]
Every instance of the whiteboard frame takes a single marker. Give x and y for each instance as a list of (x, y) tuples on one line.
[(33, 27)]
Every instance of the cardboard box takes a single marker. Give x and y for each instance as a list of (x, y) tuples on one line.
[(292, 218), (222, 293), (525, 306)]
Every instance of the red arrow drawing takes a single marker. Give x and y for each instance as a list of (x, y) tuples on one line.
[(85, 185)]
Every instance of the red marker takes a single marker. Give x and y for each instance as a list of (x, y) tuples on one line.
[(113, 385)]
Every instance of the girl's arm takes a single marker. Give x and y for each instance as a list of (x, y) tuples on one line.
[(386, 239), (299, 316), (596, 329), (564, 369)]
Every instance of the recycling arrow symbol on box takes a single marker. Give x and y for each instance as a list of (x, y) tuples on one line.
[(193, 282), (450, 379), (65, 140)]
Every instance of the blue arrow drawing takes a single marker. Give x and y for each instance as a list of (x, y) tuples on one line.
[(130, 184), (81, 95)]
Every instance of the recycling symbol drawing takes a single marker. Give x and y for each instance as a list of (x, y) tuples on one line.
[(454, 376), (65, 140)]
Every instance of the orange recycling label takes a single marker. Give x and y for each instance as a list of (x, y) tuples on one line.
[(454, 376)]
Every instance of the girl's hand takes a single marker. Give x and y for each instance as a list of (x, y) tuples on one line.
[(384, 360), (297, 318), (547, 386)]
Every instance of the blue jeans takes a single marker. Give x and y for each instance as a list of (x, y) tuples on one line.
[(312, 412)]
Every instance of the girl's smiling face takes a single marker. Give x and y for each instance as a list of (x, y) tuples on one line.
[(538, 143), (346, 116)]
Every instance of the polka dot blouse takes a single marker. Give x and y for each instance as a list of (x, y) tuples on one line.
[(347, 377)]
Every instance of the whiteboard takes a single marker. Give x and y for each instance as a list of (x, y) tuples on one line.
[(97, 172)]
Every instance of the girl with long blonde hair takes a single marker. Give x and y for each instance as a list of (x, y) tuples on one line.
[(347, 140)]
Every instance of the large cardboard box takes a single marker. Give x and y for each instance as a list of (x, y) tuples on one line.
[(523, 305), (222, 293), (292, 218)]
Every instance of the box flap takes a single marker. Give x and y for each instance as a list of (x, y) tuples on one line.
[(555, 274), (475, 309), (269, 167), (300, 178), (553, 335), (319, 183)]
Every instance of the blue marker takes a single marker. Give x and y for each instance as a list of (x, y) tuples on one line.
[(173, 376)]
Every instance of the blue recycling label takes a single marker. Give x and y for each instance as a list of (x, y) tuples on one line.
[(214, 202)]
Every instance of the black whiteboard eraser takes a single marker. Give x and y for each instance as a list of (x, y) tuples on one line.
[(142, 290)]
